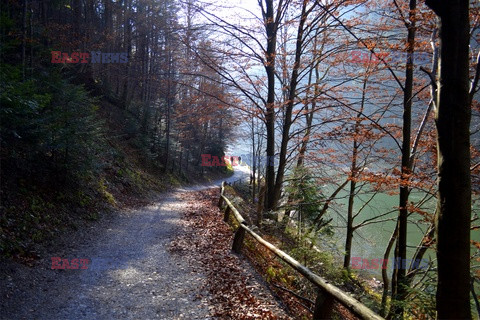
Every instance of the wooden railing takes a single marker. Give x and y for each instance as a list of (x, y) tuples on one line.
[(327, 293)]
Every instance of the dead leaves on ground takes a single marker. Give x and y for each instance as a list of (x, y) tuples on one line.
[(207, 239)]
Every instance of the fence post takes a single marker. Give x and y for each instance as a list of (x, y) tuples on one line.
[(238, 240), (220, 201), (323, 306), (226, 215)]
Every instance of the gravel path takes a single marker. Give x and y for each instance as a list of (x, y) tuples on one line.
[(131, 274)]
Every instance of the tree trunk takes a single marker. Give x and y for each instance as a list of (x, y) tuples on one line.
[(24, 37), (282, 162), (308, 125), (353, 174), (271, 30), (127, 44), (349, 237), (399, 289), (426, 242), (253, 163), (453, 154), (386, 255)]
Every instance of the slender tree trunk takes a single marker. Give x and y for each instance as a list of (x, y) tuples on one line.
[(317, 222), (386, 255), (169, 101), (77, 16), (31, 35), (271, 30), (289, 108), (349, 236), (24, 37), (261, 199), (399, 289), (425, 243), (253, 163), (127, 44), (353, 175), (453, 150), (351, 198), (167, 139), (309, 113), (306, 137)]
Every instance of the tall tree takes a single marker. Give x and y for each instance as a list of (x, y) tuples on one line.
[(272, 20), (399, 289), (290, 103), (453, 140)]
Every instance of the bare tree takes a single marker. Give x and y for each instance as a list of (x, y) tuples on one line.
[(453, 139)]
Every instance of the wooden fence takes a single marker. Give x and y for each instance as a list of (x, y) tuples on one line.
[(327, 293)]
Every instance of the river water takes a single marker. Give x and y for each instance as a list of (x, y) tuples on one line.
[(370, 241)]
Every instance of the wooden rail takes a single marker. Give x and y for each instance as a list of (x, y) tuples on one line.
[(327, 292)]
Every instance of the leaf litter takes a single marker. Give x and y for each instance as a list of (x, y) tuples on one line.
[(237, 291)]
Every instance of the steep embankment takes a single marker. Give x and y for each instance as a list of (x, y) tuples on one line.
[(132, 273), (41, 199)]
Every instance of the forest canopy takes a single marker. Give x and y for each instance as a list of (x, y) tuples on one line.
[(368, 113)]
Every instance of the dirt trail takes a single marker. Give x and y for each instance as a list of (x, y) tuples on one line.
[(131, 274)]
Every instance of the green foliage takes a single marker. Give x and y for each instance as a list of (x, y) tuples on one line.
[(304, 193), (306, 198), (229, 168), (102, 188), (51, 150), (173, 181), (93, 216), (278, 274), (84, 200), (322, 262), (421, 299), (47, 126)]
